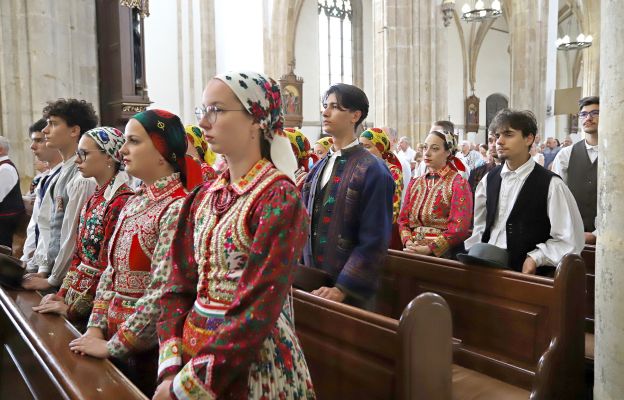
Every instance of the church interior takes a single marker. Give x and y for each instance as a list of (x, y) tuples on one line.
[(440, 329)]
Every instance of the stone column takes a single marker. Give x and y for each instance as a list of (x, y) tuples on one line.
[(409, 66), (609, 352), (590, 25), (47, 50), (528, 38)]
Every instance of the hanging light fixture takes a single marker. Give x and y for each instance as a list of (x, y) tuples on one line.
[(480, 12), (581, 42)]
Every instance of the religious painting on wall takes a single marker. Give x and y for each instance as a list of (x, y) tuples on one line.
[(472, 114), (292, 99), (573, 124)]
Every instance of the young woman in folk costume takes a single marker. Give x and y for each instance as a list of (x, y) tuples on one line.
[(303, 153), (98, 157), (199, 167), (123, 322), (226, 328), (322, 146), (436, 217), (376, 141)]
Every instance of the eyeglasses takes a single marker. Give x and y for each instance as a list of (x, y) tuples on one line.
[(585, 114), (210, 113), (82, 154)]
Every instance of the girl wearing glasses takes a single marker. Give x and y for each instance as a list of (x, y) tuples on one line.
[(123, 321), (97, 157), (226, 324)]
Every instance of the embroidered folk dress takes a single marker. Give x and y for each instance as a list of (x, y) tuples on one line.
[(226, 328), (437, 211), (95, 228), (125, 306), (397, 176)]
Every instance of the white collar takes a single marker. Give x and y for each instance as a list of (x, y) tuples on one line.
[(2, 158), (522, 171), (590, 147), (339, 152)]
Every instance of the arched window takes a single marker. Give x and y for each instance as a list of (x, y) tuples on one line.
[(335, 42)]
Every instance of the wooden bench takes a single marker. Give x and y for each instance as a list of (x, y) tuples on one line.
[(356, 354), (36, 363), (521, 329)]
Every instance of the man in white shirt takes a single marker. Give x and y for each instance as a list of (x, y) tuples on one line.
[(470, 157), (53, 159), (11, 203), (577, 165), (67, 120), (521, 206), (406, 152)]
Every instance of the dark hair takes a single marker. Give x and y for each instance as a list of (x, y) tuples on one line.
[(441, 136), (587, 101), (447, 126), (523, 121), (558, 142), (73, 112), (37, 126), (350, 97)]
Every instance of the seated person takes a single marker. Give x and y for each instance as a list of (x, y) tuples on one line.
[(521, 206), (98, 158), (123, 321), (303, 153), (438, 207)]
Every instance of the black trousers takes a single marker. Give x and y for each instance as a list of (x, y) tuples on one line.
[(8, 225)]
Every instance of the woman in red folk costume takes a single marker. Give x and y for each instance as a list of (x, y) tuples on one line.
[(98, 157), (123, 322), (436, 216), (199, 166), (226, 328), (376, 141), (303, 153)]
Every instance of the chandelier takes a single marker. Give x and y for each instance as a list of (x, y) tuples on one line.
[(581, 42), (480, 12)]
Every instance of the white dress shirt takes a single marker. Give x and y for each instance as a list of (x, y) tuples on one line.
[(566, 225), (8, 178), (407, 176), (30, 244), (327, 171), (40, 257)]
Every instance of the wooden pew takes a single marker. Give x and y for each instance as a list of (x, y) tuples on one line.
[(36, 363), (589, 256), (356, 354), (522, 329)]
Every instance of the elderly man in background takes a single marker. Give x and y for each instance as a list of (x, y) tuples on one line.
[(11, 203), (550, 151)]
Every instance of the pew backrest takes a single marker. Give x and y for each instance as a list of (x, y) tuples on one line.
[(353, 353), (504, 321), (37, 363)]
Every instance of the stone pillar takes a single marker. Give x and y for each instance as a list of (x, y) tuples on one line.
[(409, 66), (47, 50), (528, 41), (609, 352), (590, 25)]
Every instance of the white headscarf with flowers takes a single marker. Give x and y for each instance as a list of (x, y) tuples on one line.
[(261, 97)]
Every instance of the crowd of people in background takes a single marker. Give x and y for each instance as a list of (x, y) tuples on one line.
[(173, 248)]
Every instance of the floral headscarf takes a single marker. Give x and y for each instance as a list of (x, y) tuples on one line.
[(198, 140), (451, 143), (382, 143), (261, 97), (326, 142), (168, 136), (301, 148), (108, 139)]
